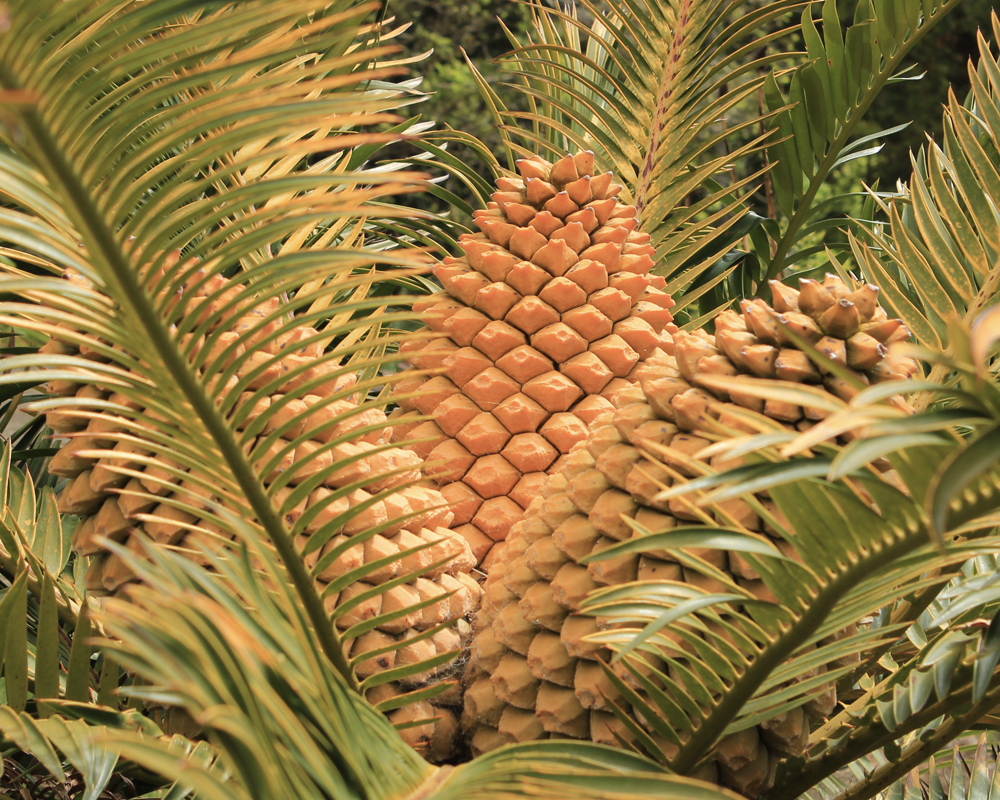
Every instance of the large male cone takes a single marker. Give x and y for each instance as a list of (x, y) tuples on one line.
[(132, 488), (542, 320), (532, 674)]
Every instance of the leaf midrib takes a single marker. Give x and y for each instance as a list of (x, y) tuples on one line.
[(90, 223)]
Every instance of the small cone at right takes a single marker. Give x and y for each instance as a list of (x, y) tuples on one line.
[(531, 653)]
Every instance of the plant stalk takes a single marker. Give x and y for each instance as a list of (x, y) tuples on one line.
[(868, 739), (883, 777), (664, 94)]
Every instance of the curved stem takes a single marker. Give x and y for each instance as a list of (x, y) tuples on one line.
[(84, 212), (664, 95), (866, 739)]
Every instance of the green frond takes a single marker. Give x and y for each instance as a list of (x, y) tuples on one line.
[(796, 619), (209, 229), (961, 771), (825, 98), (278, 710), (937, 683), (280, 716), (35, 558), (54, 699), (554, 770), (58, 740), (880, 587)]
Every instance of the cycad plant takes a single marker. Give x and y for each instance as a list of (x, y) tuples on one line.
[(237, 553)]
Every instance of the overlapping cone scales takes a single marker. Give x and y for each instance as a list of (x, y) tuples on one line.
[(543, 319), (173, 506), (533, 673)]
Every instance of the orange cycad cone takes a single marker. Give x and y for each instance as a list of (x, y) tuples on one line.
[(532, 673), (542, 320)]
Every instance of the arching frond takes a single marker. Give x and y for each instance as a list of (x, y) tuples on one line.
[(202, 174), (962, 771), (286, 725), (880, 590), (59, 740)]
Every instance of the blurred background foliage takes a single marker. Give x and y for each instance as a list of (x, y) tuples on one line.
[(942, 57), (444, 29), (447, 27)]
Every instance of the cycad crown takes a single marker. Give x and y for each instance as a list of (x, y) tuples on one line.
[(121, 486), (532, 672), (544, 318)]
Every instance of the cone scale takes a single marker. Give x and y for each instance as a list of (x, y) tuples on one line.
[(543, 319)]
